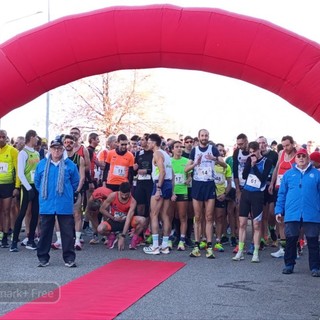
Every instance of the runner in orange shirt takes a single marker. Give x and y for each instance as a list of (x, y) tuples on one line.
[(119, 165)]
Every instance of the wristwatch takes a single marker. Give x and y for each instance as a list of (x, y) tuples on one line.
[(122, 235)]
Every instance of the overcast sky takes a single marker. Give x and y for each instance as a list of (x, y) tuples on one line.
[(210, 96)]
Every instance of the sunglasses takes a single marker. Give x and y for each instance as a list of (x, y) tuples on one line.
[(69, 142), (301, 156)]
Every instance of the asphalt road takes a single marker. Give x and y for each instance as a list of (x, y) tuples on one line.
[(203, 289)]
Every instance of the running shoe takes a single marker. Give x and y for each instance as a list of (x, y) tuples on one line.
[(274, 244), (24, 242), (189, 243), (4, 243), (14, 247), (135, 240), (302, 243), (195, 252), (251, 249), (94, 240), (78, 245), (181, 246), (1, 235), (151, 250), (224, 240), (233, 242), (239, 256), (255, 258), (111, 241), (218, 247), (203, 244), (70, 264), (165, 250), (149, 239), (287, 269), (170, 244), (315, 273), (236, 249), (147, 232), (278, 254), (176, 241), (56, 245), (262, 245), (43, 264), (31, 246), (209, 253)]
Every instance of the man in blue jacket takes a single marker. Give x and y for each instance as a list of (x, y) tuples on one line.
[(298, 203), (56, 179)]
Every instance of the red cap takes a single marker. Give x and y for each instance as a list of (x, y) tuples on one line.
[(315, 156), (302, 151)]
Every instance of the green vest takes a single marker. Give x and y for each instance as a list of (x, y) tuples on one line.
[(31, 164), (180, 177)]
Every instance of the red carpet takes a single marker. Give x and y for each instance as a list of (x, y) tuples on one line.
[(101, 294)]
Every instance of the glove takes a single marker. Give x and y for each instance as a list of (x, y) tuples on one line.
[(31, 194), (75, 196)]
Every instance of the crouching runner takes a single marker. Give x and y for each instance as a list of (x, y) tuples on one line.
[(118, 212)]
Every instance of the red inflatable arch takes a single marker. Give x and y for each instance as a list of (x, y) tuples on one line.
[(117, 38)]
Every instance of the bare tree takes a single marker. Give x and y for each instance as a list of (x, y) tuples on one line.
[(111, 103)]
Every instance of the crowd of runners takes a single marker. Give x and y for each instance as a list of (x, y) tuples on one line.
[(189, 194)]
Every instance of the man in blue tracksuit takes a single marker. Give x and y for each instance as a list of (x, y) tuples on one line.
[(299, 202), (56, 179)]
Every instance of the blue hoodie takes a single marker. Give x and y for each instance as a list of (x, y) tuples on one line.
[(299, 195)]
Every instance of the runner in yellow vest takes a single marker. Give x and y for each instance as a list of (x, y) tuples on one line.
[(28, 160), (9, 183)]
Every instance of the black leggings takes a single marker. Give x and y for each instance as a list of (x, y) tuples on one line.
[(23, 210)]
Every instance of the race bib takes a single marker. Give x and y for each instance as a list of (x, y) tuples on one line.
[(179, 178), (32, 175), (219, 178), (253, 181), (144, 177), (279, 179), (3, 167), (119, 215), (119, 171), (204, 173)]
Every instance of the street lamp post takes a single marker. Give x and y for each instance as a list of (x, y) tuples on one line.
[(48, 92)]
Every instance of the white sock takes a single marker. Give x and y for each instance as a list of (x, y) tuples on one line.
[(78, 235), (58, 234), (155, 240), (165, 240)]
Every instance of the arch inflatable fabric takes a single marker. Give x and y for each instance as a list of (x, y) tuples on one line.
[(140, 37)]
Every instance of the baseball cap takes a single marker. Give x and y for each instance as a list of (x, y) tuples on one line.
[(57, 142), (302, 151), (315, 156)]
